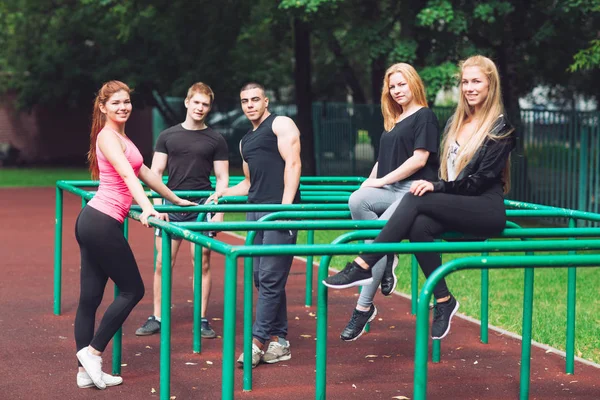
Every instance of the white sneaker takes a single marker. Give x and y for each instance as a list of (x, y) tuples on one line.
[(92, 365), (84, 380), (277, 352)]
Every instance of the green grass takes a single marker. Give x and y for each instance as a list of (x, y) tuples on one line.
[(506, 297), (40, 177)]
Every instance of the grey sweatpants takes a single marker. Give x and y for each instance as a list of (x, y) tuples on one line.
[(376, 203)]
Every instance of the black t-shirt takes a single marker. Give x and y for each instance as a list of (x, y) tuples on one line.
[(190, 156), (260, 151), (417, 131)]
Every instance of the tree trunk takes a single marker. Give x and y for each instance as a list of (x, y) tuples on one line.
[(302, 79)]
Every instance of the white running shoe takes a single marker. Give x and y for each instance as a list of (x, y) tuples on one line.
[(84, 380), (92, 365)]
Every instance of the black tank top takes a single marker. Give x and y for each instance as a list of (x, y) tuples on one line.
[(260, 151)]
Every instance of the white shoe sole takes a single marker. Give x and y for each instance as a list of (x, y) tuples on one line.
[(449, 323), (91, 384), (362, 282), (282, 358), (363, 329)]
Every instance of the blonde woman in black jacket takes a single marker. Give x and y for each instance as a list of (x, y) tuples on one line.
[(469, 197)]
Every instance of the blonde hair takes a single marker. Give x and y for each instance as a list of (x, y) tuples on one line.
[(99, 120), (491, 109), (202, 88), (391, 110)]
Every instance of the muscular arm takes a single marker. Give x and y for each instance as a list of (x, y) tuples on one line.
[(288, 143)]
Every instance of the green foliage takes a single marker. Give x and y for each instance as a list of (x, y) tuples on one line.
[(587, 58), (438, 78), (308, 6)]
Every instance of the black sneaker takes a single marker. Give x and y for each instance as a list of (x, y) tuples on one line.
[(150, 327), (389, 279), (351, 275), (206, 331), (442, 317), (358, 321)]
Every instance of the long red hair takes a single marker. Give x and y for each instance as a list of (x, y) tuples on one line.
[(99, 120)]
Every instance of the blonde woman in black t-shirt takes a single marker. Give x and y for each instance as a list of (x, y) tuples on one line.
[(407, 153)]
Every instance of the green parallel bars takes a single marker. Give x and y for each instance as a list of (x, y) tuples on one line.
[(525, 375), (485, 297), (58, 224), (197, 328), (310, 239), (165, 331), (421, 342), (230, 298), (414, 284), (571, 306)]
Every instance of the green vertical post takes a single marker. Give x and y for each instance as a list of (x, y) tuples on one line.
[(229, 308), (197, 330), (310, 239), (526, 340), (571, 305), (436, 345), (248, 309), (321, 362), (414, 284), (118, 337), (165, 325), (58, 225), (485, 297)]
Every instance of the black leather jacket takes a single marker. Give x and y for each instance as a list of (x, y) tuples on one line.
[(485, 169)]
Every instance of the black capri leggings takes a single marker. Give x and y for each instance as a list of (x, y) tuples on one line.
[(422, 219), (104, 254)]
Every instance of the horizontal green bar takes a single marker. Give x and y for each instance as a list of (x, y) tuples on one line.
[(250, 207), (404, 248)]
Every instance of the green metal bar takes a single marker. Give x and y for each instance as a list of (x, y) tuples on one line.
[(435, 346), (422, 330), (583, 186), (310, 239), (165, 307), (414, 284), (485, 297), (230, 297), (248, 310), (529, 275), (197, 327), (58, 228), (571, 308), (197, 319), (322, 306)]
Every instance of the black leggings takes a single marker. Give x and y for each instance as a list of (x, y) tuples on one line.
[(422, 219), (104, 254)]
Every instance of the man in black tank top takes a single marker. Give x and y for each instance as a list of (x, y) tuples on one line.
[(271, 163)]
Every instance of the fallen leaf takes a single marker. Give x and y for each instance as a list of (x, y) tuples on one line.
[(152, 390), (123, 365), (459, 347), (379, 319), (476, 362), (62, 337), (392, 327), (191, 363), (311, 314), (138, 354), (203, 369), (354, 386), (371, 356), (172, 397), (148, 347), (209, 362), (305, 336), (400, 398), (548, 351), (190, 301), (216, 319), (386, 356), (573, 381), (296, 318)]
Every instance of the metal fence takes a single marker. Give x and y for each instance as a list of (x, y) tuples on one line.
[(556, 163)]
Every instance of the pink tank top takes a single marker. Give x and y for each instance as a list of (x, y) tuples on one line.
[(113, 197)]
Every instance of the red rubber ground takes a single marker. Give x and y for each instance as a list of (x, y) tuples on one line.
[(37, 349)]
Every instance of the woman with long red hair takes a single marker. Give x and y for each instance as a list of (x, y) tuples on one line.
[(105, 253)]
